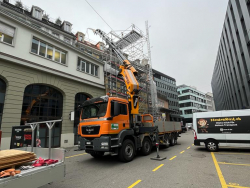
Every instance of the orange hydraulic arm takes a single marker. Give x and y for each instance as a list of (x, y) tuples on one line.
[(128, 73)]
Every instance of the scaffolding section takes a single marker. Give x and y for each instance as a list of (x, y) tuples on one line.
[(135, 46)]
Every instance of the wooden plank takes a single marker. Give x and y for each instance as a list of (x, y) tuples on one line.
[(14, 164), (9, 153), (15, 159)]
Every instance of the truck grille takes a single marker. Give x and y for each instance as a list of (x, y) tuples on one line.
[(90, 130)]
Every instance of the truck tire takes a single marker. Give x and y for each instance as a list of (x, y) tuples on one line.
[(172, 140), (166, 139), (146, 146), (127, 151), (97, 154), (212, 145)]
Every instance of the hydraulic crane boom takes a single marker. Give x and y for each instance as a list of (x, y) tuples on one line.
[(127, 71)]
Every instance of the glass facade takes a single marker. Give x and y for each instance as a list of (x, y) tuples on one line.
[(2, 97), (43, 103), (231, 75)]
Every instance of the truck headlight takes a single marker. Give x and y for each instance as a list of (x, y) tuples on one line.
[(104, 143)]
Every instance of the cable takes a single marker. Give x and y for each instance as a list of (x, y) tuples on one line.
[(99, 15)]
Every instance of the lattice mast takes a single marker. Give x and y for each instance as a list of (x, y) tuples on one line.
[(153, 92)]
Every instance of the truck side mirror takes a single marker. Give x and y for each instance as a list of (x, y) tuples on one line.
[(115, 108)]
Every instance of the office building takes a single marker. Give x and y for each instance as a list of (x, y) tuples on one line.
[(166, 85), (231, 75), (190, 100)]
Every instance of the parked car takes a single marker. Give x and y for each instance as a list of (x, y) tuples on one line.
[(189, 126)]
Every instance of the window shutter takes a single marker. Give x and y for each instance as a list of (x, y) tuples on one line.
[(7, 29)]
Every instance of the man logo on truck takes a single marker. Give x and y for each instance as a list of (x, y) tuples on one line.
[(203, 125)]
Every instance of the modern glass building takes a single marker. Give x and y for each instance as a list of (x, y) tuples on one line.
[(190, 100), (231, 76), (166, 85)]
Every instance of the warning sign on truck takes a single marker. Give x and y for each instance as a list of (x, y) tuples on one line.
[(239, 124)]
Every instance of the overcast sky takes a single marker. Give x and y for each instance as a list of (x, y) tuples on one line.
[(184, 34)]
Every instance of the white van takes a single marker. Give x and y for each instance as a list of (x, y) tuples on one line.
[(222, 128)]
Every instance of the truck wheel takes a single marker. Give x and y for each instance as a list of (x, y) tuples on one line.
[(146, 146), (166, 139), (127, 151), (211, 145), (172, 140), (97, 154)]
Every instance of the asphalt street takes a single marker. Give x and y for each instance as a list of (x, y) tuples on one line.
[(186, 166)]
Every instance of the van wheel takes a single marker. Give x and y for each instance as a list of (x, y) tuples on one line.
[(127, 151), (172, 140), (212, 146), (146, 146)]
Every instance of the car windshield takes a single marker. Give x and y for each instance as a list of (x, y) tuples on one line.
[(94, 110)]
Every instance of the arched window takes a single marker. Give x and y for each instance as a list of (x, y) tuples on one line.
[(2, 97), (79, 99), (43, 103)]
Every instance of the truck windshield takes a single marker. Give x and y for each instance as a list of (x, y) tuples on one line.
[(94, 110)]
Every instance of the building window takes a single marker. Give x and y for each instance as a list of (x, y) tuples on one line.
[(49, 52), (37, 14), (248, 47), (87, 67), (248, 6), (45, 50), (67, 27), (6, 33), (43, 103), (2, 97)]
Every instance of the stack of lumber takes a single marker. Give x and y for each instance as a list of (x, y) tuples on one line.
[(11, 158)]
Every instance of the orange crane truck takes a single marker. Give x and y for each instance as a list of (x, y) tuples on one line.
[(114, 125)]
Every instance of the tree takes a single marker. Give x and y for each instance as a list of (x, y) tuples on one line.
[(58, 21), (27, 9), (46, 16), (19, 4)]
